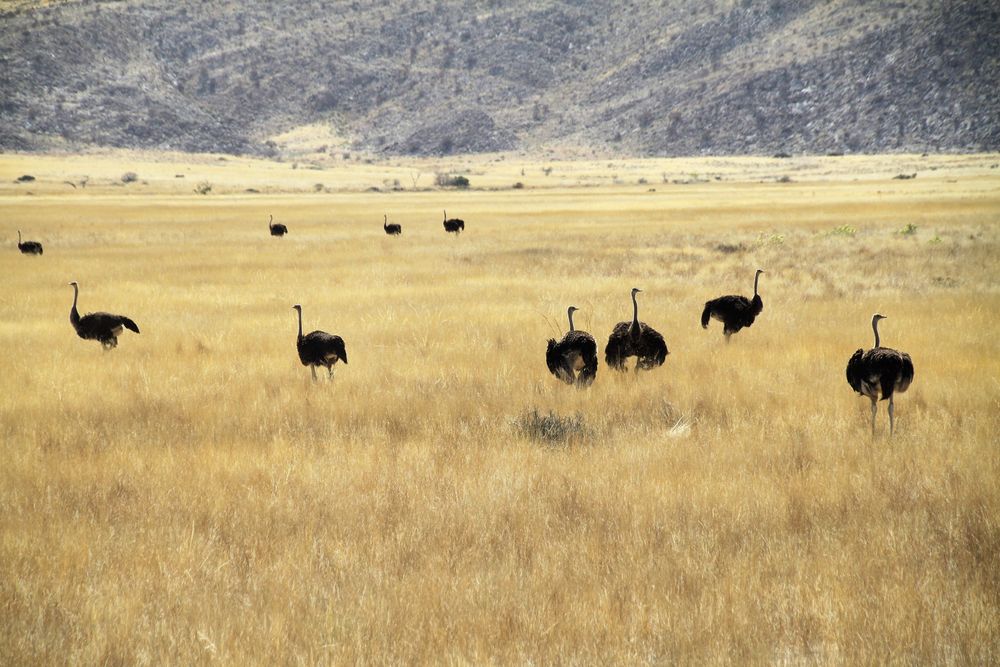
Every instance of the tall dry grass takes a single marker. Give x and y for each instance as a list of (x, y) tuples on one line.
[(193, 497)]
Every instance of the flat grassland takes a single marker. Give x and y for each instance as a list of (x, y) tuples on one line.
[(193, 497)]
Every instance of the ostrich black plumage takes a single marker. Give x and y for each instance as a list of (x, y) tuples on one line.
[(318, 348), (276, 229), (453, 225), (28, 247), (575, 353), (635, 339), (879, 374), (734, 311), (103, 327), (392, 230)]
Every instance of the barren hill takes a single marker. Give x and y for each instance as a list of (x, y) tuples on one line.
[(635, 78)]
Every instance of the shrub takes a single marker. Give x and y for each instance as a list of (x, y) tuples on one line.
[(550, 428), (447, 180), (909, 230), (130, 177), (203, 188), (843, 230), (764, 240)]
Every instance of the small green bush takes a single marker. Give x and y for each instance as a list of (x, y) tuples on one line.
[(909, 230), (844, 230)]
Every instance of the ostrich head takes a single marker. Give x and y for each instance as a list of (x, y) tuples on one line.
[(635, 290), (73, 283), (572, 309), (298, 308)]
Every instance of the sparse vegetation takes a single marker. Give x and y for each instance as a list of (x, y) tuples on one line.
[(129, 177), (909, 229), (203, 188)]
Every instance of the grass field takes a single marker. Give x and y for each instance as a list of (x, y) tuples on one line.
[(193, 497)]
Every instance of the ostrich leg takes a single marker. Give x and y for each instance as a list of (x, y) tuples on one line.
[(891, 418), (313, 369), (874, 411)]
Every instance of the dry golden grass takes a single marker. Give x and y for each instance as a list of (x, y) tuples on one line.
[(193, 497)]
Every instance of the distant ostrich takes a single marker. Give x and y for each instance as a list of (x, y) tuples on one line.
[(28, 247), (319, 348), (881, 371), (103, 327), (734, 311), (635, 339), (394, 229), (276, 229), (576, 352), (453, 225)]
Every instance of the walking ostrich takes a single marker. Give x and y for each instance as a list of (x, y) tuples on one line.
[(276, 229), (103, 327), (28, 247), (635, 339), (318, 348), (392, 230), (454, 225), (734, 311), (576, 352), (881, 371)]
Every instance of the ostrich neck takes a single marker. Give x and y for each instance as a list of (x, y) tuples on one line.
[(875, 329), (756, 279), (570, 313), (19, 237), (300, 322), (634, 329), (74, 315)]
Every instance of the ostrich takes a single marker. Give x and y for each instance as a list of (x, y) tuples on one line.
[(734, 311), (276, 229), (454, 225), (319, 348), (394, 229), (103, 327), (577, 351), (635, 339), (881, 371), (28, 247)]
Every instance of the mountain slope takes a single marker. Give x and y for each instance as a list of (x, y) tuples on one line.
[(684, 77)]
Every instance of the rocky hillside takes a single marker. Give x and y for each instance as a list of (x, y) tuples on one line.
[(638, 78)]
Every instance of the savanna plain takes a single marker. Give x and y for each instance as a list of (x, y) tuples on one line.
[(194, 497)]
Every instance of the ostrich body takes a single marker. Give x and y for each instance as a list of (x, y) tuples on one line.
[(635, 339), (392, 230), (276, 229), (575, 353), (879, 374), (318, 348), (453, 225), (734, 311), (103, 327), (28, 247)]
